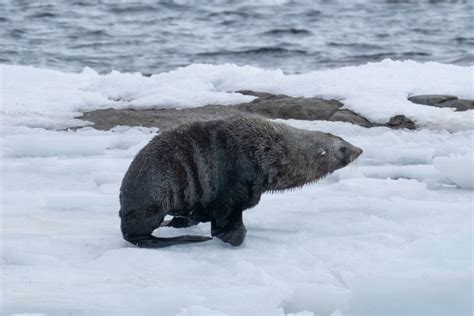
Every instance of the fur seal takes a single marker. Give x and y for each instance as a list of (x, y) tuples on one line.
[(214, 170)]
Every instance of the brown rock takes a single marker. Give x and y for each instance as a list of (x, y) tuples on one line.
[(266, 105), (293, 108), (458, 104), (343, 115), (443, 101), (261, 95), (431, 99), (400, 121), (164, 119)]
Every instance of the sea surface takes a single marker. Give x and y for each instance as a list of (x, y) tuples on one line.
[(295, 36)]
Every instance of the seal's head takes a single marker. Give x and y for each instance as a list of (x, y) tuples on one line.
[(303, 156), (322, 153), (339, 153)]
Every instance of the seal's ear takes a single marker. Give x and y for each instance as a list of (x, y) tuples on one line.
[(320, 152)]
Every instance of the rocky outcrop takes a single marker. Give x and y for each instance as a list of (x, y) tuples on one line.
[(443, 101), (266, 105), (164, 119), (285, 107), (431, 99), (343, 115), (400, 121), (299, 108)]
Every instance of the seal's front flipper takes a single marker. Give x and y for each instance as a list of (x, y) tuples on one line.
[(233, 233), (159, 242), (179, 222), (234, 236)]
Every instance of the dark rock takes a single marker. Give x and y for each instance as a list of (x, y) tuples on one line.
[(431, 99), (443, 101), (458, 104), (261, 95), (164, 119), (400, 121), (343, 115), (285, 107), (266, 105)]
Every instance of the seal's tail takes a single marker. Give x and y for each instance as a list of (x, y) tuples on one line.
[(159, 242)]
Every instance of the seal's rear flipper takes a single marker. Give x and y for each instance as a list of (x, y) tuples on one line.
[(159, 242)]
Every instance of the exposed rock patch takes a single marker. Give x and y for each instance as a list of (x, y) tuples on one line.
[(265, 105), (164, 119), (443, 101), (343, 115), (458, 104), (285, 107), (431, 99), (401, 121)]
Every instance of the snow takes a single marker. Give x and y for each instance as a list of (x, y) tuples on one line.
[(389, 235), (459, 169), (48, 98)]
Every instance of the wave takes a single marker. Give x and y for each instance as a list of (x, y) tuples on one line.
[(383, 55), (131, 8), (367, 46), (41, 15), (271, 50), (289, 31)]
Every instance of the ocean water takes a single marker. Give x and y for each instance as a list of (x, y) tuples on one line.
[(295, 36)]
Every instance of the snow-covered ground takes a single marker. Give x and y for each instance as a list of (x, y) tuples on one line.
[(389, 235)]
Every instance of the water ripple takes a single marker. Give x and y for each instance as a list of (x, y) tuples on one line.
[(295, 36)]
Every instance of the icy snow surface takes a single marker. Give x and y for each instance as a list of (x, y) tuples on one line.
[(389, 235), (459, 169)]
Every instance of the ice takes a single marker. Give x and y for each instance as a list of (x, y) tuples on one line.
[(389, 235), (459, 169)]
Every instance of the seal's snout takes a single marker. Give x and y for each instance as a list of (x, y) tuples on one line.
[(356, 152), (348, 153)]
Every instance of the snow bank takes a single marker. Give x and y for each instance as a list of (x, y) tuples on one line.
[(459, 169), (47, 98)]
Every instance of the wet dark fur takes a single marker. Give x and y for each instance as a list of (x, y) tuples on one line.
[(212, 171)]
